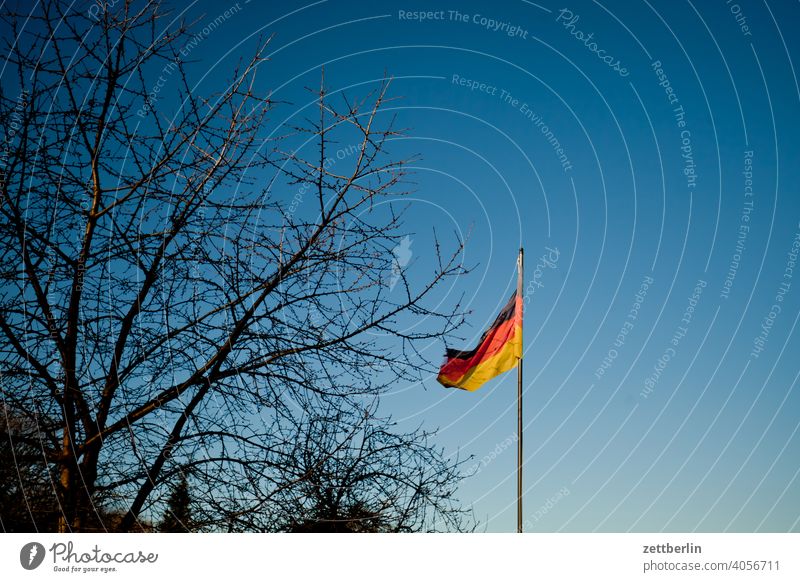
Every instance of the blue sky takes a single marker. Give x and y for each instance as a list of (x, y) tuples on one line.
[(654, 163)]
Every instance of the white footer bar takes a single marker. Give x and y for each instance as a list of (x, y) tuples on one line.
[(401, 557)]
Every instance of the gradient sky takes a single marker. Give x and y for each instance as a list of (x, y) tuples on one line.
[(646, 193)]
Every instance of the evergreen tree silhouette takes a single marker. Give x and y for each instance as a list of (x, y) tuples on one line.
[(177, 518)]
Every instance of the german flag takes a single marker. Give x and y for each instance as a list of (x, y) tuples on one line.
[(498, 351)]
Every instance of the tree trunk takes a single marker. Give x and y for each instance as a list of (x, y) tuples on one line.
[(66, 521)]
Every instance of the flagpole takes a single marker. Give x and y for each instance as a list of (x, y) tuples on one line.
[(519, 403)]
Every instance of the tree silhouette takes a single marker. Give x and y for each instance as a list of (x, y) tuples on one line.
[(183, 282), (27, 503), (357, 472), (178, 515)]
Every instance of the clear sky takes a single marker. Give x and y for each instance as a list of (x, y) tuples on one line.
[(649, 152)]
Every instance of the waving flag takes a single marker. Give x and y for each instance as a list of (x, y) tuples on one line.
[(498, 351)]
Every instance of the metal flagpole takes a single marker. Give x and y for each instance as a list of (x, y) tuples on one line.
[(519, 403)]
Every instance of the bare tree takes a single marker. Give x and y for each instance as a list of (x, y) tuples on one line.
[(342, 468), (350, 476), (167, 296)]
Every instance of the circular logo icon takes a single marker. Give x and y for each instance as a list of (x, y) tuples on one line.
[(31, 555)]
